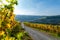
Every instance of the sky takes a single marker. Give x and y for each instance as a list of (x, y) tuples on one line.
[(38, 7)]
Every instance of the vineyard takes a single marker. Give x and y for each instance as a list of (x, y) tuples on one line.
[(10, 29), (45, 27)]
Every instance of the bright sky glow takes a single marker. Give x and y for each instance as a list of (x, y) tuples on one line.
[(4, 1), (38, 7)]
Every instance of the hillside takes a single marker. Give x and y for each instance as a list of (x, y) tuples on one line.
[(39, 19), (28, 18), (48, 20)]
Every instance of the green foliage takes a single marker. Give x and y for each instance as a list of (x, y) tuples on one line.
[(10, 29), (20, 35), (9, 26)]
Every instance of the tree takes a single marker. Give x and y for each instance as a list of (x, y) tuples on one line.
[(7, 21)]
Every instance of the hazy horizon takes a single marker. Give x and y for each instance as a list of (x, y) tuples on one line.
[(38, 15)]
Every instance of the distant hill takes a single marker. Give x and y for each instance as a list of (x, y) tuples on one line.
[(28, 18), (48, 20), (39, 19)]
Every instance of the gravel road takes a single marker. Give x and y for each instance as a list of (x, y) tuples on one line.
[(37, 35)]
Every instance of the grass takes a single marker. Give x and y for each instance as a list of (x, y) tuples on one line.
[(27, 36), (23, 35)]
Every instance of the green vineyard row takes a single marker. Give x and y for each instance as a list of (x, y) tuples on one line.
[(46, 27)]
